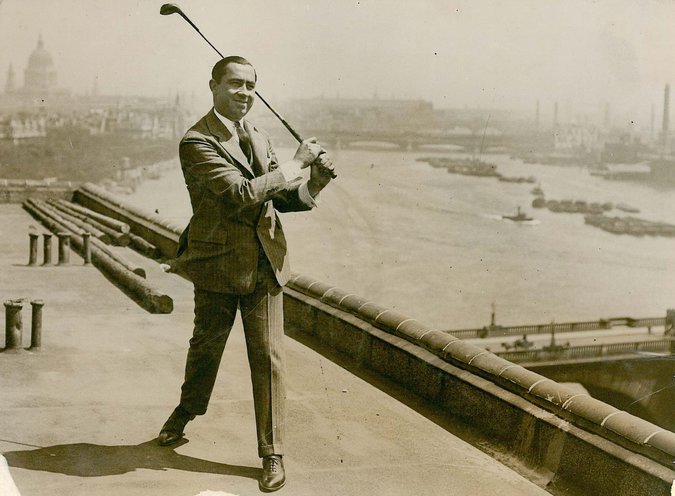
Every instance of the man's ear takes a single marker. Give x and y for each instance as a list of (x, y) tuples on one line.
[(212, 84)]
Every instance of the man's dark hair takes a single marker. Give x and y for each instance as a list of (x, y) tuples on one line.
[(220, 67)]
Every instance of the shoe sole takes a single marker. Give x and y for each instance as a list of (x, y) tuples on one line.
[(268, 489), (171, 442)]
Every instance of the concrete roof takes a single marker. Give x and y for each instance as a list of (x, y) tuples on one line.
[(80, 416)]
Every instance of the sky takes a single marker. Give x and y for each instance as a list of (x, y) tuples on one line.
[(454, 53)]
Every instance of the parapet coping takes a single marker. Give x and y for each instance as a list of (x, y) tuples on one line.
[(578, 408), (38, 183)]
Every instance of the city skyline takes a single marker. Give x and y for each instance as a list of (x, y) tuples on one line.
[(582, 54)]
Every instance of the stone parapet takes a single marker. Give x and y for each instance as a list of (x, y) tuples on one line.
[(402, 349), (19, 190)]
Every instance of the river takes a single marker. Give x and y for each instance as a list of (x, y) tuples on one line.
[(432, 245)]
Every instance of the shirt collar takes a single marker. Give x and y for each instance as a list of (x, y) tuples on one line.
[(228, 124)]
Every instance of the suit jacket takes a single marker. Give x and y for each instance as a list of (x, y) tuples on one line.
[(234, 210)]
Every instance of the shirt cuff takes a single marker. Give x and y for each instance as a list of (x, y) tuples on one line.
[(291, 170), (305, 197)]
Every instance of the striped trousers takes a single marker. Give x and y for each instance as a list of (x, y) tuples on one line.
[(262, 316)]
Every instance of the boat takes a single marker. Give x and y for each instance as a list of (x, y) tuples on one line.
[(537, 191), (519, 217), (627, 208), (539, 202), (632, 226), (463, 166), (516, 179)]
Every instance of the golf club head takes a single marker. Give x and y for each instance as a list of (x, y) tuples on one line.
[(170, 8)]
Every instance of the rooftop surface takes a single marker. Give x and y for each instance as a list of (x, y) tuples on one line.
[(80, 416)]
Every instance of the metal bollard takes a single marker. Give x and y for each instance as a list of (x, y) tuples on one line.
[(47, 249), (86, 248), (64, 248), (32, 257), (36, 324), (13, 325)]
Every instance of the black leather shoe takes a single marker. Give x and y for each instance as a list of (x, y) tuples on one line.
[(172, 431), (273, 476)]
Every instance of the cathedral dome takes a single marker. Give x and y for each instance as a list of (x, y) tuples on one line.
[(40, 74), (40, 59)]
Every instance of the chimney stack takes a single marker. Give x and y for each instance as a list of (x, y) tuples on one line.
[(666, 110)]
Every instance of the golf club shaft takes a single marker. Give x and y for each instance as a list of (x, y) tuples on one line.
[(200, 33), (283, 121)]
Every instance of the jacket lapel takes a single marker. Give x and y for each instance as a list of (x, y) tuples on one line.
[(227, 141)]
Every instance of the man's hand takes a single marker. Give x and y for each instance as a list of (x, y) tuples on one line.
[(307, 152), (321, 173)]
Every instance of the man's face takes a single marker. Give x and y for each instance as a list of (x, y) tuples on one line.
[(233, 94)]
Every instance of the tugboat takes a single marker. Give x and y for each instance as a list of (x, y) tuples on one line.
[(519, 217)]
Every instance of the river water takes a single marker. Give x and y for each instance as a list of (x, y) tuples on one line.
[(433, 245)]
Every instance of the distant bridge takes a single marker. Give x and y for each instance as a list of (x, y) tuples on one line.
[(524, 351), (494, 330), (567, 353), (409, 140)]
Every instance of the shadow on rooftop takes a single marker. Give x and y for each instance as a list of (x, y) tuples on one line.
[(93, 460)]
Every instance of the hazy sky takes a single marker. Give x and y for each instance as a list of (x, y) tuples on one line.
[(492, 54)]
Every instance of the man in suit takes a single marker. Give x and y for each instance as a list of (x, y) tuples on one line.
[(234, 251)]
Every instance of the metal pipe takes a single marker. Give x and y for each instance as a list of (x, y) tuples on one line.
[(32, 257), (57, 223), (86, 248), (91, 225), (13, 325), (47, 260), (150, 298), (103, 219), (78, 223), (36, 324), (64, 248)]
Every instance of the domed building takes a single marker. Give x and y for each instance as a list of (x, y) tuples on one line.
[(39, 88), (40, 73), (40, 94)]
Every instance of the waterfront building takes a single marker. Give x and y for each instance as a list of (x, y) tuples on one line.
[(27, 111), (575, 138), (362, 114)]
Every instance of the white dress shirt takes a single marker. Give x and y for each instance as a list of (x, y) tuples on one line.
[(291, 169)]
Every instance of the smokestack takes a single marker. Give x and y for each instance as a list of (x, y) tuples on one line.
[(665, 134), (666, 110), (555, 114)]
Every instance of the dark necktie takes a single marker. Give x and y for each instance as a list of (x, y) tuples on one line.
[(244, 141)]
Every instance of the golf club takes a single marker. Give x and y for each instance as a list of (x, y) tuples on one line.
[(172, 8)]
